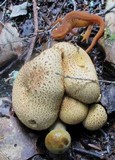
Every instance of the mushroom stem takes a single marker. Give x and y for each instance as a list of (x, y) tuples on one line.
[(58, 125), (58, 140)]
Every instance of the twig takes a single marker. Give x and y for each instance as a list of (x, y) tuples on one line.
[(102, 2), (107, 11), (74, 5), (90, 153), (94, 146), (76, 78), (105, 81), (54, 4), (59, 11), (106, 142), (8, 67), (85, 79), (104, 134), (4, 13), (6, 99), (3, 3), (6, 28), (35, 12), (19, 58), (46, 19)]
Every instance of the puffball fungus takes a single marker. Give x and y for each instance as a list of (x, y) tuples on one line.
[(96, 117), (39, 87), (38, 91), (72, 111), (58, 139), (80, 78)]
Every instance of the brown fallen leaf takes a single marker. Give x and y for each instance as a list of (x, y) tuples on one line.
[(2, 156), (16, 141), (11, 44)]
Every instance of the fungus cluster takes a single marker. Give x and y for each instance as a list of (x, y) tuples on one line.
[(59, 83)]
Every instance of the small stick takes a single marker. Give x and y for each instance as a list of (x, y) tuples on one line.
[(59, 11), (6, 28), (105, 135), (3, 3), (8, 67), (107, 11), (46, 19), (4, 12), (94, 146), (18, 58), (85, 79), (90, 153), (74, 5), (35, 12), (102, 1), (54, 4), (107, 139)]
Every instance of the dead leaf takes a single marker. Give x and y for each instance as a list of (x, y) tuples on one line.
[(108, 98), (4, 99), (110, 17), (10, 40), (2, 156), (110, 51), (10, 43), (16, 141), (19, 10)]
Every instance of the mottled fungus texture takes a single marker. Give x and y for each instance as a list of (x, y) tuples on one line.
[(72, 111), (80, 78), (38, 91), (96, 117)]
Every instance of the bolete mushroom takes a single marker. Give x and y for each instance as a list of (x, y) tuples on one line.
[(58, 140), (38, 90), (72, 111), (80, 78), (96, 117)]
